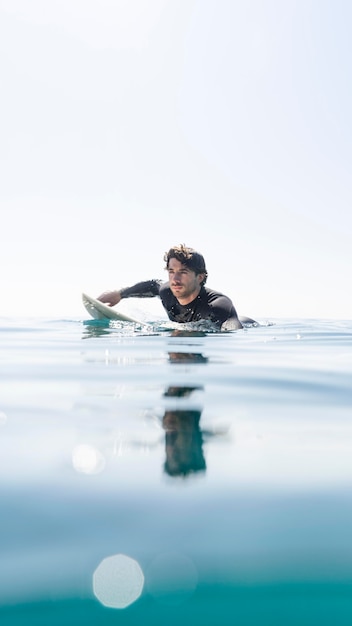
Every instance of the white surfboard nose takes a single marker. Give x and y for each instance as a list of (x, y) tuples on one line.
[(100, 311)]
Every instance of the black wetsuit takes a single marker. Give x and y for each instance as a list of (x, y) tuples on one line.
[(208, 305)]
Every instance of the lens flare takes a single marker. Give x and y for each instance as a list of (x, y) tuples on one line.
[(87, 460), (118, 581)]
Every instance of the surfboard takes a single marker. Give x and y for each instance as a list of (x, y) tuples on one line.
[(100, 311)]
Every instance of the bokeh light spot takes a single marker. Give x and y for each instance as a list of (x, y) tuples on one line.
[(118, 581), (87, 460)]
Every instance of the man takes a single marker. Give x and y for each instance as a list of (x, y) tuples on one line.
[(185, 297)]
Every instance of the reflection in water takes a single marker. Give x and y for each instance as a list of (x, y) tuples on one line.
[(183, 437), (96, 328), (181, 392), (181, 423), (188, 333), (187, 357), (183, 443), (118, 581)]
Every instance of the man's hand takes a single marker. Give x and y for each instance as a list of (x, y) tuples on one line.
[(110, 297)]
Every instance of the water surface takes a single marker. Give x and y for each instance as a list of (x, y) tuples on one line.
[(189, 477)]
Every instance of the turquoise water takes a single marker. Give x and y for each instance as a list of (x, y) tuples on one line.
[(191, 478)]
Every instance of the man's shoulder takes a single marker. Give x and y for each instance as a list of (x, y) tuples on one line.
[(221, 306), (212, 294), (165, 293), (164, 287)]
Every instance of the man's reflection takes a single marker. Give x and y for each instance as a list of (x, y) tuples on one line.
[(183, 443), (181, 392), (187, 357), (183, 437), (188, 333)]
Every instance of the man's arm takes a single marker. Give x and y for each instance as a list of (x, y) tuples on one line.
[(110, 297), (223, 310), (146, 289), (232, 323)]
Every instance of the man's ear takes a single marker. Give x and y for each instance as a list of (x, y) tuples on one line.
[(200, 278)]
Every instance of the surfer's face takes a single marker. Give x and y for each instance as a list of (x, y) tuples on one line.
[(184, 282)]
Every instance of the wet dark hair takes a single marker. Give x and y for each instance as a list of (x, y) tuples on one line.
[(188, 257)]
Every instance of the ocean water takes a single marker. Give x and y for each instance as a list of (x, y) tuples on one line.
[(157, 476)]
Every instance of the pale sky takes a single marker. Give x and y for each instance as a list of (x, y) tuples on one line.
[(130, 125)]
